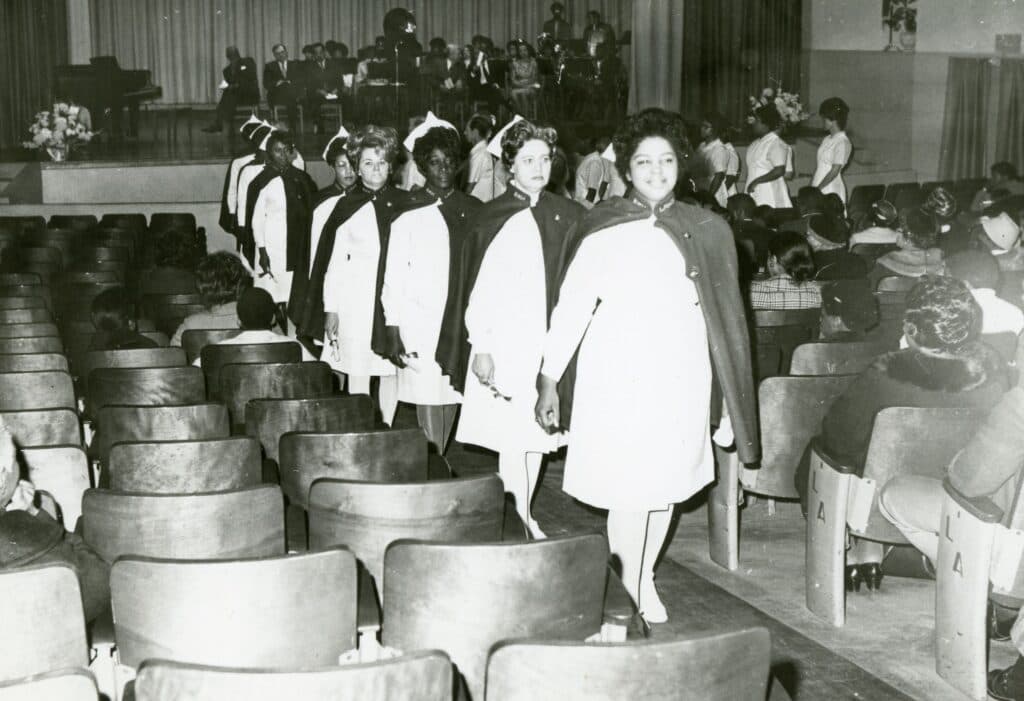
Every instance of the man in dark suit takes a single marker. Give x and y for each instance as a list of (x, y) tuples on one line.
[(240, 87), (558, 26), (282, 79), (322, 83)]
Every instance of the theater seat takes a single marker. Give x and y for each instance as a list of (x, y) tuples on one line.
[(66, 685), (214, 357), (241, 383), (184, 467)]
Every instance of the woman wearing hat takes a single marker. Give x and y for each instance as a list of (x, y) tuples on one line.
[(880, 225), (651, 304), (944, 365), (768, 158), (835, 149), (512, 257)]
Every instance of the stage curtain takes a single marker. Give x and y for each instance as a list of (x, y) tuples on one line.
[(657, 54), (1010, 124), (35, 41), (733, 49), (182, 42), (965, 124)]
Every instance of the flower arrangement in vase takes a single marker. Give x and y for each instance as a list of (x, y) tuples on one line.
[(900, 16), (58, 131), (788, 105)]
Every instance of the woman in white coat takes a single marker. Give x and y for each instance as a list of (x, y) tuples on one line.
[(515, 251), (651, 290), (768, 158), (835, 149)]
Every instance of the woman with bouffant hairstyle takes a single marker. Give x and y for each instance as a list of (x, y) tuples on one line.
[(511, 262), (342, 297)]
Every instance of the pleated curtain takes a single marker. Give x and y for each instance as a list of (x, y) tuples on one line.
[(965, 124), (182, 41), (1010, 121)]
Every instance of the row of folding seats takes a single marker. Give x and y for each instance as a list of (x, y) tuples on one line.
[(910, 194)]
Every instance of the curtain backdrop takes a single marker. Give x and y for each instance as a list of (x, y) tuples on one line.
[(733, 49), (965, 135), (35, 40), (1010, 129), (656, 63), (182, 41)]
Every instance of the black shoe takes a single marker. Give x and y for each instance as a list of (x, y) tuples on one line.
[(212, 129), (853, 578), (871, 573), (1000, 621), (1007, 684)]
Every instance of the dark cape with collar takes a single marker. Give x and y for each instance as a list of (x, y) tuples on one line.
[(458, 210), (299, 191), (707, 245), (227, 220), (300, 276), (308, 311), (558, 220)]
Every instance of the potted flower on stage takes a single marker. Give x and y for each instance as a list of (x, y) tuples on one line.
[(900, 16), (59, 132)]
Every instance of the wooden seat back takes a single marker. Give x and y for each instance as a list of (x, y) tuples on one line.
[(33, 362), (133, 358), (36, 390), (81, 277), (63, 473), (20, 279), (29, 329), (424, 675), (698, 667), (367, 517), (912, 441), (790, 411), (465, 598), (369, 456), (73, 301), (162, 221), (39, 428), (116, 424), (77, 222), (21, 302), (24, 316), (862, 197), (144, 387), (843, 358), (246, 522), (215, 356), (291, 611), (778, 332), (34, 344), (194, 340), (184, 467), (43, 623), (66, 685), (269, 419), (241, 383), (896, 283)]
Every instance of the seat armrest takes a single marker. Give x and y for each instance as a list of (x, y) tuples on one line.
[(368, 610), (819, 450), (981, 508)]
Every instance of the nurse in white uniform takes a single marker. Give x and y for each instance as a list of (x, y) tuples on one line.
[(768, 158), (716, 158), (834, 152)]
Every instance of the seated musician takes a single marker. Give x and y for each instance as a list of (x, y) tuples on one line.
[(944, 365)]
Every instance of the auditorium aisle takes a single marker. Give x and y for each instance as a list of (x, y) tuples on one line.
[(884, 653)]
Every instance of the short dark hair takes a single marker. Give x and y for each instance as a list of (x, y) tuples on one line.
[(438, 43), (1005, 169), (836, 109), (719, 124), (481, 124), (647, 123), (741, 206), (371, 136), (810, 199), (852, 301), (943, 313), (220, 278), (443, 139), (342, 47), (179, 248), (280, 136), (793, 253), (112, 310), (275, 47), (979, 269), (769, 116), (307, 49), (557, 6), (317, 45), (256, 309), (521, 132), (919, 228), (337, 148)]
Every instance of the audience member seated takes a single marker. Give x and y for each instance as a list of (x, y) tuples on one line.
[(1003, 181), (524, 78), (747, 227), (442, 73), (944, 366), (29, 536), (323, 84), (836, 210), (953, 234), (980, 272), (791, 283), (849, 310), (283, 81), (1001, 236), (834, 262), (256, 317), (114, 317), (220, 278), (880, 225), (178, 252), (594, 172), (917, 254), (367, 68), (240, 87), (809, 203)]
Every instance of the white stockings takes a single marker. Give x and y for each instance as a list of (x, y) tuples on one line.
[(636, 538), (519, 472), (387, 393)]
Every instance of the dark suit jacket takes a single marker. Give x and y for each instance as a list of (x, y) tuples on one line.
[(242, 77), (317, 78), (272, 74)]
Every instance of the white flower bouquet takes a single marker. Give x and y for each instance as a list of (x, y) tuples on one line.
[(58, 131), (787, 103)]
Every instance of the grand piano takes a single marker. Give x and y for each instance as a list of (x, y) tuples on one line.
[(106, 90)]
